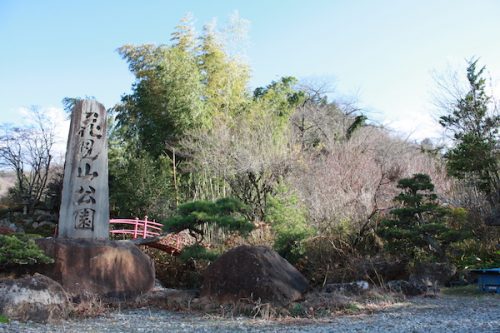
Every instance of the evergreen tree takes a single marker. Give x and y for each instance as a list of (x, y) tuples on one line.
[(225, 213), (418, 229), (475, 125), (20, 250)]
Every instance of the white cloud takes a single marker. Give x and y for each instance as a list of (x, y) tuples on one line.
[(416, 126)]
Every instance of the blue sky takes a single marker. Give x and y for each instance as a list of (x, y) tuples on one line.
[(380, 52)]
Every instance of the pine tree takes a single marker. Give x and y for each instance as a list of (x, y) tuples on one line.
[(475, 125), (418, 228), (225, 213)]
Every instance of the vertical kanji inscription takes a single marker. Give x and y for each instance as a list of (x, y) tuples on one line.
[(84, 218), (85, 206)]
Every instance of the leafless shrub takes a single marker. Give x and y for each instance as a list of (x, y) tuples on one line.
[(28, 152), (352, 180)]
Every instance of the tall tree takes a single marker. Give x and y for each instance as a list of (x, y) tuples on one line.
[(225, 78), (166, 98), (474, 122)]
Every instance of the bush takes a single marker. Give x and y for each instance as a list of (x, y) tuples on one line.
[(139, 186), (225, 213), (479, 250), (20, 250), (198, 252), (288, 221), (419, 229), (178, 272)]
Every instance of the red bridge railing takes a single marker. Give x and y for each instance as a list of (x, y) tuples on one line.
[(172, 243), (136, 228)]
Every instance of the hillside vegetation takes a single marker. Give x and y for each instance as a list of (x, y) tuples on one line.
[(334, 193)]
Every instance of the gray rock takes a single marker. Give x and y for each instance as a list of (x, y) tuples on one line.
[(35, 298)]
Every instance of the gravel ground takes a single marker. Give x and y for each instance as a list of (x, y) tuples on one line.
[(442, 314)]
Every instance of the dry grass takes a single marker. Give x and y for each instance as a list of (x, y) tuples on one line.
[(89, 307), (316, 305)]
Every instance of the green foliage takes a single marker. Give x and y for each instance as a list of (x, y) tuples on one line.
[(166, 98), (478, 250), (279, 98), (297, 310), (474, 156), (225, 80), (419, 228), (358, 122), (186, 88), (475, 253), (475, 127), (179, 88), (3, 319), (225, 213), (20, 250), (196, 252), (141, 185), (288, 220), (184, 34)]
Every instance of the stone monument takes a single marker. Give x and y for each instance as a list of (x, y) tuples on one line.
[(86, 261), (84, 210)]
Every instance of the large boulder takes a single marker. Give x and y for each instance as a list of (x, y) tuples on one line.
[(113, 269), (253, 272), (36, 298)]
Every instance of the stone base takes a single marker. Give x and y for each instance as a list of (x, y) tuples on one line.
[(112, 269)]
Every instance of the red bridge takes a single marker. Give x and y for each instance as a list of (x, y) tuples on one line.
[(148, 233)]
